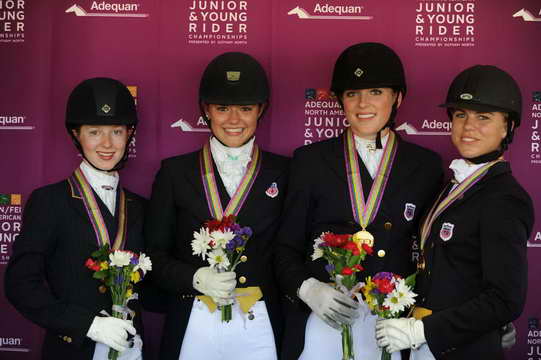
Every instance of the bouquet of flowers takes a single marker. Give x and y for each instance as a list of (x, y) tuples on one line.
[(344, 254), (387, 296), (119, 270), (221, 243)]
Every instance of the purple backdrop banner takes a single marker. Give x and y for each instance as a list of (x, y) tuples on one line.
[(160, 48)]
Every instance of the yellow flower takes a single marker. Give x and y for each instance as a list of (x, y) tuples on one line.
[(135, 277), (129, 293), (104, 265)]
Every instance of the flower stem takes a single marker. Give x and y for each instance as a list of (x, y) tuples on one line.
[(347, 343)]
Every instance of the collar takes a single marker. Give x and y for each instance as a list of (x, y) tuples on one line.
[(462, 169), (369, 146), (99, 180), (222, 153)]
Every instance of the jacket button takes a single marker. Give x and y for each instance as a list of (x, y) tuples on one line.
[(68, 339), (381, 253), (244, 258), (388, 226), (242, 279)]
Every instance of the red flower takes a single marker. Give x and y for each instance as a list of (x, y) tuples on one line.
[(347, 271), (90, 263), (217, 225), (368, 249), (384, 286), (213, 225), (336, 240), (351, 246), (358, 267)]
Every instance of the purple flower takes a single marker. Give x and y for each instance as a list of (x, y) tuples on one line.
[(383, 276), (235, 228), (329, 268), (247, 231), (119, 279), (230, 246), (134, 260)]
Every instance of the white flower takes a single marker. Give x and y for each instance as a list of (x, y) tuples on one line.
[(120, 258), (400, 298), (144, 264), (200, 243), (222, 238), (218, 259), (318, 252)]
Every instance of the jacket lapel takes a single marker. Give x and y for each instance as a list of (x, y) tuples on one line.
[(494, 171), (199, 197)]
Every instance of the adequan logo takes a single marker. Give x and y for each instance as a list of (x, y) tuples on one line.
[(14, 122), (536, 241), (184, 126), (409, 129), (106, 9), (526, 15), (12, 344), (330, 12)]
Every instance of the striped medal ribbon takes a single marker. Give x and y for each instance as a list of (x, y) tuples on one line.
[(83, 189), (211, 189), (456, 193), (365, 212)]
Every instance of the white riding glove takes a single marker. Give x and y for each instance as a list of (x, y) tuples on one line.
[(219, 286), (509, 336), (399, 334), (329, 304), (111, 331)]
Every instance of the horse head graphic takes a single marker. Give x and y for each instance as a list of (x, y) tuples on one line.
[(300, 12), (526, 15), (79, 11), (185, 127), (409, 129)]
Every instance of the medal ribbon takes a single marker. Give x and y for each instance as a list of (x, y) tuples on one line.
[(84, 190), (456, 193), (211, 189), (365, 212)]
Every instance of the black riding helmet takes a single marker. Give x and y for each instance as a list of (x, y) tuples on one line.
[(487, 88), (369, 65), (234, 78), (101, 101)]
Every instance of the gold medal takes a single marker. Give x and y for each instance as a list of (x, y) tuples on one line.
[(363, 237), (421, 264)]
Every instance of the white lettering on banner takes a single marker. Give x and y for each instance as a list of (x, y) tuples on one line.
[(339, 10), (11, 120), (323, 116), (445, 24), (114, 7), (434, 124), (218, 22), (10, 341), (10, 223), (535, 136), (12, 21)]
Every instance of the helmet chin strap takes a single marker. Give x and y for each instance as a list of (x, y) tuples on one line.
[(496, 154), (207, 120), (491, 156), (389, 124), (118, 166)]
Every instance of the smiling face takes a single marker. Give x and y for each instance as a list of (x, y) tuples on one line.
[(477, 133), (233, 125), (103, 145), (368, 110)]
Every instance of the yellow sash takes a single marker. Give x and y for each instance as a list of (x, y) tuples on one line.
[(246, 298)]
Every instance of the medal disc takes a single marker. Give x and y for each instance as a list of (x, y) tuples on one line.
[(363, 237)]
